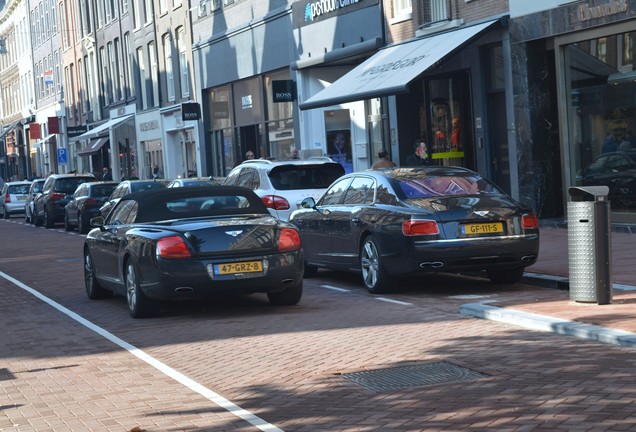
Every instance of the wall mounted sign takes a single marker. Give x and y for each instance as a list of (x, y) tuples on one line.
[(190, 111), (284, 91)]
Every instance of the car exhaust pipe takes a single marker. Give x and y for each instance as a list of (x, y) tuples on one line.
[(528, 258), (287, 282), (184, 290), (434, 264)]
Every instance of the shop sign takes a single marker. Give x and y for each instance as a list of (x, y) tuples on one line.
[(246, 102), (75, 131), (310, 11), (587, 12), (283, 91), (54, 125), (220, 110), (190, 111)]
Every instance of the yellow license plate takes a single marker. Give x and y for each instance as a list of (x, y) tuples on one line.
[(238, 267), (482, 228), (22, 198)]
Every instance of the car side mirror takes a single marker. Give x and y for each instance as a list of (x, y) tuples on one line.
[(308, 203), (97, 222)]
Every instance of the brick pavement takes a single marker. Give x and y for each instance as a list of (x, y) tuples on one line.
[(285, 364)]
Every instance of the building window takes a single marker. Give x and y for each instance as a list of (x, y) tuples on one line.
[(105, 75), (65, 43), (130, 61), (626, 51), (163, 6), (436, 11), (154, 74), (167, 53), (183, 63), (142, 78), (136, 13), (402, 8)]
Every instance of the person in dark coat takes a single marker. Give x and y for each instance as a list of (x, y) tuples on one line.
[(106, 174)]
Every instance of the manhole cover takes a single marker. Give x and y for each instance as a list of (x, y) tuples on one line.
[(403, 377)]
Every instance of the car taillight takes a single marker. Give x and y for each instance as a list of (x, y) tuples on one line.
[(172, 248), (275, 202), (419, 227), (288, 240), (57, 196), (7, 198), (529, 221)]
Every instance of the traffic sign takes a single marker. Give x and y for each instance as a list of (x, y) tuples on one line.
[(62, 156)]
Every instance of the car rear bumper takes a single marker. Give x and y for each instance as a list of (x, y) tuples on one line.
[(181, 279), (14, 207), (466, 255)]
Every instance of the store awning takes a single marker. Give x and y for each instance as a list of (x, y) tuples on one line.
[(101, 130), (39, 142), (8, 129), (392, 69), (93, 148)]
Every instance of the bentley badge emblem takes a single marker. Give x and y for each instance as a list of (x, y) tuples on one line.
[(233, 233)]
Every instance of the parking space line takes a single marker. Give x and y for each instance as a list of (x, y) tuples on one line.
[(334, 288), (388, 300), (161, 367)]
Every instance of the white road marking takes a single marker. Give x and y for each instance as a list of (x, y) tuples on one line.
[(388, 300), (334, 288), (161, 367)]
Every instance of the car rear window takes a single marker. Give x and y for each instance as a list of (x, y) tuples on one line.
[(102, 191), (18, 189), (292, 177), (68, 185), (432, 186), (136, 187), (176, 207)]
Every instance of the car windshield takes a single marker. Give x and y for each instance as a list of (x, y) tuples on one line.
[(432, 186), (290, 177), (19, 189), (68, 185)]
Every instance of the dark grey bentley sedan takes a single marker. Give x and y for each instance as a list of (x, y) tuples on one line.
[(181, 243), (408, 221)]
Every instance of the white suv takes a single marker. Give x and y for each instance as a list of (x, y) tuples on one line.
[(282, 185)]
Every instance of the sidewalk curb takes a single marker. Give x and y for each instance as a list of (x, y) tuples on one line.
[(549, 324)]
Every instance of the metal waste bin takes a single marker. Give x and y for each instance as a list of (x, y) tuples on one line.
[(589, 245)]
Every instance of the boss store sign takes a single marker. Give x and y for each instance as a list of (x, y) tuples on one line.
[(283, 91)]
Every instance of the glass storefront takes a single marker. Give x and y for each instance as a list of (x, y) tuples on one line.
[(601, 106)]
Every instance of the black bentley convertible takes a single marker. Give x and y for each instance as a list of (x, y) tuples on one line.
[(182, 243)]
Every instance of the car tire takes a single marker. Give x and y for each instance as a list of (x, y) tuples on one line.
[(94, 290), (374, 276), (505, 276), (84, 224), (289, 297), (139, 306), (67, 225), (36, 220), (27, 218), (310, 271), (49, 222)]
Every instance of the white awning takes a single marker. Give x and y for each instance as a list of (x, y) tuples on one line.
[(392, 69), (101, 130), (39, 142)]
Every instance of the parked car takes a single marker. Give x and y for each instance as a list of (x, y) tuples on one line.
[(616, 170), (14, 196), (410, 221), (85, 203), (56, 193), (127, 187), (282, 185), (34, 191), (183, 243), (193, 181)]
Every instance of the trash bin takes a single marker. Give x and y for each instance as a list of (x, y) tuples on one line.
[(589, 245)]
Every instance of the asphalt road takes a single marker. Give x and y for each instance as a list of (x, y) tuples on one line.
[(342, 360)]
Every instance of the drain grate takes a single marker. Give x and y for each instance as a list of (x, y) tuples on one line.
[(403, 377)]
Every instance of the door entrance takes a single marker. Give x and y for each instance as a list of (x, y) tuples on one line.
[(499, 158)]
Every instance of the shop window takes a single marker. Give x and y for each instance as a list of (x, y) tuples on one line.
[(602, 117)]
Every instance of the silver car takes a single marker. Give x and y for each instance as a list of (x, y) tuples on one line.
[(282, 185), (34, 191), (14, 197)]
